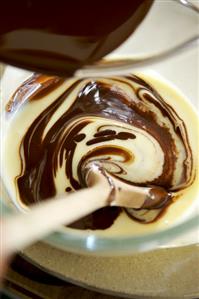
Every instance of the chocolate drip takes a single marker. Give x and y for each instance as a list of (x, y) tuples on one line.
[(117, 122), (109, 136)]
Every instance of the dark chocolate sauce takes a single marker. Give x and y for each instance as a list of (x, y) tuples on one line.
[(61, 36), (43, 155), (157, 198), (109, 136)]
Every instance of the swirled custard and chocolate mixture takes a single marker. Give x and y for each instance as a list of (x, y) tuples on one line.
[(123, 123)]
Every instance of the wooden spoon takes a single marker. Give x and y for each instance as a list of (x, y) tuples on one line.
[(103, 190)]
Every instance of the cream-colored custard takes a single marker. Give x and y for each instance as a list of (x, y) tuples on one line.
[(148, 156)]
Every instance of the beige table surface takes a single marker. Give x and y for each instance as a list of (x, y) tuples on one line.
[(165, 273)]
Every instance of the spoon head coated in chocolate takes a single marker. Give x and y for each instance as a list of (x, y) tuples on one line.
[(123, 194)]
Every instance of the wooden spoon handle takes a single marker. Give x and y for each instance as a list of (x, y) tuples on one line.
[(22, 230)]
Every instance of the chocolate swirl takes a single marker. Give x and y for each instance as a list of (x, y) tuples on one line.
[(122, 123)]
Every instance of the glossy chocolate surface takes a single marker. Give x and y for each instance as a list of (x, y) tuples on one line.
[(122, 123)]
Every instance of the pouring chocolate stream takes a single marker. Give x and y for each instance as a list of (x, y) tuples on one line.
[(61, 37)]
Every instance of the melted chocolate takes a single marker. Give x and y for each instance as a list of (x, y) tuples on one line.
[(43, 155), (107, 136), (33, 90), (157, 198), (60, 37)]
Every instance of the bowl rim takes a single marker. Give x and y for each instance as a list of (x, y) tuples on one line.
[(92, 243)]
